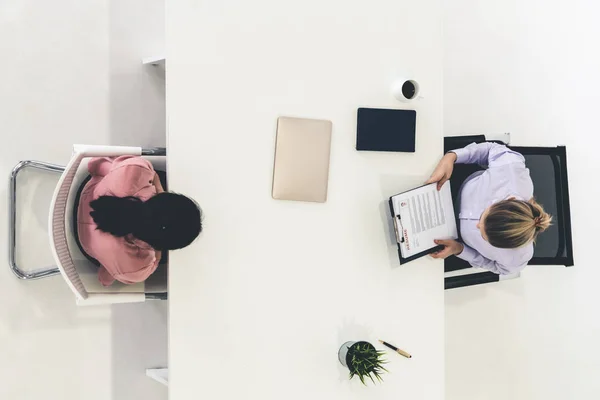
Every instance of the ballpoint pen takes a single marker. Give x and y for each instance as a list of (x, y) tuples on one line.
[(397, 350)]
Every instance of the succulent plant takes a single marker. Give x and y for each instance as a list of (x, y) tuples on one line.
[(365, 361)]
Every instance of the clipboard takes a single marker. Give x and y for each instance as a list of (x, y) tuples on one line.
[(399, 240)]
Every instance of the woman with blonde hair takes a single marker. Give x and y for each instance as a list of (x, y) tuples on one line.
[(499, 220)]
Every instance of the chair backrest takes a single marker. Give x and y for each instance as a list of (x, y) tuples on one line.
[(548, 170), (58, 232)]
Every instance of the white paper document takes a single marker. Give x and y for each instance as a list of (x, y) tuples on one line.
[(422, 215)]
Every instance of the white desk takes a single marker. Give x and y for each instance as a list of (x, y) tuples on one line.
[(261, 303)]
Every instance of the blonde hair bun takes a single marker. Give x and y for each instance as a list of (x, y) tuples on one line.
[(513, 223), (543, 220)]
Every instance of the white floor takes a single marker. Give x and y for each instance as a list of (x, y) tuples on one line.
[(528, 67), (71, 73)]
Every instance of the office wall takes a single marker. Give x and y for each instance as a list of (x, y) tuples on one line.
[(532, 68), (70, 73)]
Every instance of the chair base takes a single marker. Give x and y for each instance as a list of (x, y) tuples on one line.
[(12, 228)]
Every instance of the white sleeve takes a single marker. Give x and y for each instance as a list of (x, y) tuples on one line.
[(473, 257), (487, 154)]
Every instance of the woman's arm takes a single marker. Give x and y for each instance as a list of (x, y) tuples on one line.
[(473, 257), (487, 154), (105, 278), (140, 275), (157, 184), (100, 166), (443, 171)]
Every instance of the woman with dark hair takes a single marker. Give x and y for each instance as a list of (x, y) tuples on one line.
[(125, 219), (499, 219)]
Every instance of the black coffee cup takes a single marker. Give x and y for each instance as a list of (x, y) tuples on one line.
[(405, 89)]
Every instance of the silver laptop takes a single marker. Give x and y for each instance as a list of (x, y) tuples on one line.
[(301, 170)]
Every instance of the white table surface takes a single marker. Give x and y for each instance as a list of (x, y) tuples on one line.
[(261, 303)]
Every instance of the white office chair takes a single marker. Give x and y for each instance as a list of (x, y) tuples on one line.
[(80, 273)]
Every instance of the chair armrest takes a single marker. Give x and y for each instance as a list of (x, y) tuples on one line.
[(97, 299), (106, 151)]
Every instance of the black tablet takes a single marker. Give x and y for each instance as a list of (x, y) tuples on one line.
[(386, 130)]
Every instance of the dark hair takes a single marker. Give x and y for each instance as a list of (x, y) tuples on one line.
[(167, 221), (513, 223)]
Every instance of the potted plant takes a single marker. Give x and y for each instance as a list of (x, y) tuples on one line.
[(363, 360)]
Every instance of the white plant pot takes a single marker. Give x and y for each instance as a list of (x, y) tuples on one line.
[(343, 352)]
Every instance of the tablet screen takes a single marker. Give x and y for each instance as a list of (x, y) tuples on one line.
[(386, 130)]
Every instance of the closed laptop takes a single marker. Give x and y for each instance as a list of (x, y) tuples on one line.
[(301, 170)]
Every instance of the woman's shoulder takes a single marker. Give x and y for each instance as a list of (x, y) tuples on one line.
[(138, 261), (507, 257), (131, 161), (121, 255), (131, 168), (515, 258), (509, 180), (129, 176)]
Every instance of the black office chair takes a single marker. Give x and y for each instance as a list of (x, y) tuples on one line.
[(548, 169)]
